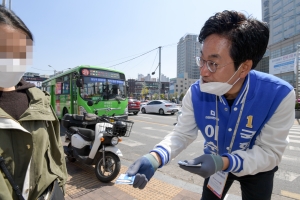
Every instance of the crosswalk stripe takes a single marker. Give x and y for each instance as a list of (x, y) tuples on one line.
[(131, 143), (160, 130), (293, 148), (295, 141), (290, 194), (286, 175), (150, 136), (294, 132), (291, 158), (294, 136)]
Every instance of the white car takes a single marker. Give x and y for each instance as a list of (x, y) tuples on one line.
[(159, 106)]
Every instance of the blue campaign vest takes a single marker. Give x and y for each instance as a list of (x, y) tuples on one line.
[(264, 96)]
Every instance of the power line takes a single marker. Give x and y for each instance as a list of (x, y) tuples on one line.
[(169, 45), (153, 61), (137, 63), (132, 58), (41, 69)]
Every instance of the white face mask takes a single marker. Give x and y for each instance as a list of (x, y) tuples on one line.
[(11, 71), (217, 88)]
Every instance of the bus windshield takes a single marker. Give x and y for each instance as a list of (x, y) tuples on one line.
[(102, 89)]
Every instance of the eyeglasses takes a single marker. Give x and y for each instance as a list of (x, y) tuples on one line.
[(211, 66)]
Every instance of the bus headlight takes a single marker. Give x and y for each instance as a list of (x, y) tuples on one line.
[(114, 140), (81, 110)]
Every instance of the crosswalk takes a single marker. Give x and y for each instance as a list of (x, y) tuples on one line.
[(287, 178), (289, 157), (284, 176)]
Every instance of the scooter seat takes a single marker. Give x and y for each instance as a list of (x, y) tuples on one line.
[(78, 117), (86, 134)]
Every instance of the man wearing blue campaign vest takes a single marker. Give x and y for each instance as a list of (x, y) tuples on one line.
[(244, 115)]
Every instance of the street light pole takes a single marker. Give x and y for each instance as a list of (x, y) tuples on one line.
[(3, 3), (53, 68), (159, 82)]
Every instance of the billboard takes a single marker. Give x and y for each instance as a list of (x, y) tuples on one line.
[(282, 64), (36, 80)]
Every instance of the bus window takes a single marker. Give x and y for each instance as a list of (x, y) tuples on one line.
[(116, 88), (93, 88)]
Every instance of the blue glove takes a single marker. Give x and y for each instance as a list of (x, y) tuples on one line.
[(143, 169), (210, 164)]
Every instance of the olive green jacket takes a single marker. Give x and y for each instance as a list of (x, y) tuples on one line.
[(32, 148)]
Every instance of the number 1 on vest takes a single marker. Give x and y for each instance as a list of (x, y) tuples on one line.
[(249, 123)]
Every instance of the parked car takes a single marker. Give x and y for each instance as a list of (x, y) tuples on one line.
[(159, 106), (144, 102), (134, 106)]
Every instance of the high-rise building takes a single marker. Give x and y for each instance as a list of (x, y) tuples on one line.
[(188, 48), (140, 76), (163, 78), (148, 77), (283, 18)]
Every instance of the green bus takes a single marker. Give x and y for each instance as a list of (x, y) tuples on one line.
[(88, 89)]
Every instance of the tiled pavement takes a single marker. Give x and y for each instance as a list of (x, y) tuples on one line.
[(83, 184)]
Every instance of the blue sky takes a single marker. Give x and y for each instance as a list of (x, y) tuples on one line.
[(69, 33)]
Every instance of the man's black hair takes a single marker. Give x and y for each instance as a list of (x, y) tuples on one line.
[(8, 17), (248, 36)]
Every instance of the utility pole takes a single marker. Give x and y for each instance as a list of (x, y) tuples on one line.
[(297, 73), (159, 82), (3, 3), (9, 5)]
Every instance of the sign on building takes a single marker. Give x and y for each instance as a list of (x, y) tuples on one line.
[(282, 64), (37, 81)]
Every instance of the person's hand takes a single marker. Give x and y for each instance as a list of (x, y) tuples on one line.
[(143, 169), (210, 164)]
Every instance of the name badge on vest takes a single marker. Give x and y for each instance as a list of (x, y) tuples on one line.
[(217, 182)]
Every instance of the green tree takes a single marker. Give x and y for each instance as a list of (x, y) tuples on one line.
[(297, 106), (181, 96), (175, 95), (162, 96), (155, 96), (144, 91)]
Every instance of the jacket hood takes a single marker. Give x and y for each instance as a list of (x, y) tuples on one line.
[(24, 85)]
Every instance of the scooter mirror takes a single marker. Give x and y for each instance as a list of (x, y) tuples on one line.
[(90, 103)]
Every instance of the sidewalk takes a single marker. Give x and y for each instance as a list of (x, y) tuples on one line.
[(83, 184)]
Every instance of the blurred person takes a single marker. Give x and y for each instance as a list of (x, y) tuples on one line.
[(31, 154), (244, 115)]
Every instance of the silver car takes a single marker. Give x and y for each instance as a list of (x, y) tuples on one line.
[(160, 106)]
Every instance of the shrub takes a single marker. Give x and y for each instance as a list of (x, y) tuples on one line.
[(297, 106)]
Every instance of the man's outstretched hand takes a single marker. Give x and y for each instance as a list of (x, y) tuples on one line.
[(143, 169), (210, 164)]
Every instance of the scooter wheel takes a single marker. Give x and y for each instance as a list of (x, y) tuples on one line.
[(71, 159), (111, 169), (70, 155)]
